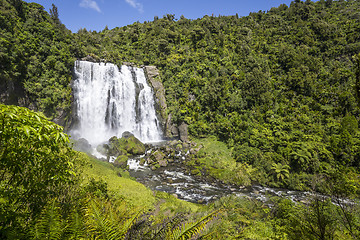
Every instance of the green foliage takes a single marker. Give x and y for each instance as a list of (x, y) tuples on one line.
[(192, 229), (276, 87), (214, 159), (37, 56), (280, 89), (281, 171), (108, 220), (49, 225), (36, 163)]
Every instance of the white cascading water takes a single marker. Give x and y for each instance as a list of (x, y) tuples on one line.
[(110, 101)]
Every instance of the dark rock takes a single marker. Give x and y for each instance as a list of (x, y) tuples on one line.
[(157, 156), (103, 149), (127, 134), (171, 129), (82, 145), (91, 58), (183, 132)]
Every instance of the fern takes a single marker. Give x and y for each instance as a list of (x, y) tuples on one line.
[(105, 220), (50, 224), (168, 226), (192, 229), (75, 226)]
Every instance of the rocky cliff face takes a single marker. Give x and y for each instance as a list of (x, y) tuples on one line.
[(12, 93), (153, 76), (170, 129)]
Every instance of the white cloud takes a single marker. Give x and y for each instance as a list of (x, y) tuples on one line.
[(90, 4), (136, 5)]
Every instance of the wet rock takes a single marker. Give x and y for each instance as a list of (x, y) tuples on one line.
[(163, 163), (126, 145), (82, 145), (154, 167), (103, 149), (171, 129), (158, 157), (169, 150), (127, 134), (142, 161), (121, 161)]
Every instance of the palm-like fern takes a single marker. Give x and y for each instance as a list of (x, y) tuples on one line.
[(281, 171), (49, 224), (106, 220), (75, 226), (192, 230)]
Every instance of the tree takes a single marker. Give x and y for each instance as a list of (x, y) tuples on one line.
[(54, 14), (36, 164), (318, 220), (357, 75), (280, 171)]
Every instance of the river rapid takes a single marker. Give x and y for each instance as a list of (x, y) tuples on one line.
[(174, 180)]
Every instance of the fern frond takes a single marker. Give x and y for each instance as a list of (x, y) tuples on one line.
[(192, 229), (75, 226), (49, 224), (109, 220)]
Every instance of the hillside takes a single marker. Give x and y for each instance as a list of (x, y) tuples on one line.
[(278, 87), (273, 98)]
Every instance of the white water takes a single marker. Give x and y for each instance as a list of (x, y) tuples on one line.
[(110, 101)]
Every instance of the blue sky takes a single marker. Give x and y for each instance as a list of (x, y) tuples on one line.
[(96, 14)]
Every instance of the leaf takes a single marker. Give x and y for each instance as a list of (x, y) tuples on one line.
[(26, 130)]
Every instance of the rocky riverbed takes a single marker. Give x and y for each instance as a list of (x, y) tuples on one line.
[(162, 166)]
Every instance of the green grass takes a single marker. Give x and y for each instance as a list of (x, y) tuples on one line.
[(120, 184), (216, 158)]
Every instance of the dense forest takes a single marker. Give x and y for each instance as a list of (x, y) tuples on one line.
[(280, 88)]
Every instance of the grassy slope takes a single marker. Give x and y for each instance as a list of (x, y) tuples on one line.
[(216, 160), (134, 192)]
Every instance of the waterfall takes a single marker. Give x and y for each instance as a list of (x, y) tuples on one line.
[(110, 101)]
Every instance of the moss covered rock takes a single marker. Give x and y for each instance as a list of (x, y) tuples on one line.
[(121, 161), (128, 145)]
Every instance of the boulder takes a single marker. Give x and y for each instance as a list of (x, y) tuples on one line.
[(127, 134), (82, 145), (103, 149), (127, 145), (121, 161), (183, 132), (171, 129), (158, 158), (163, 163)]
